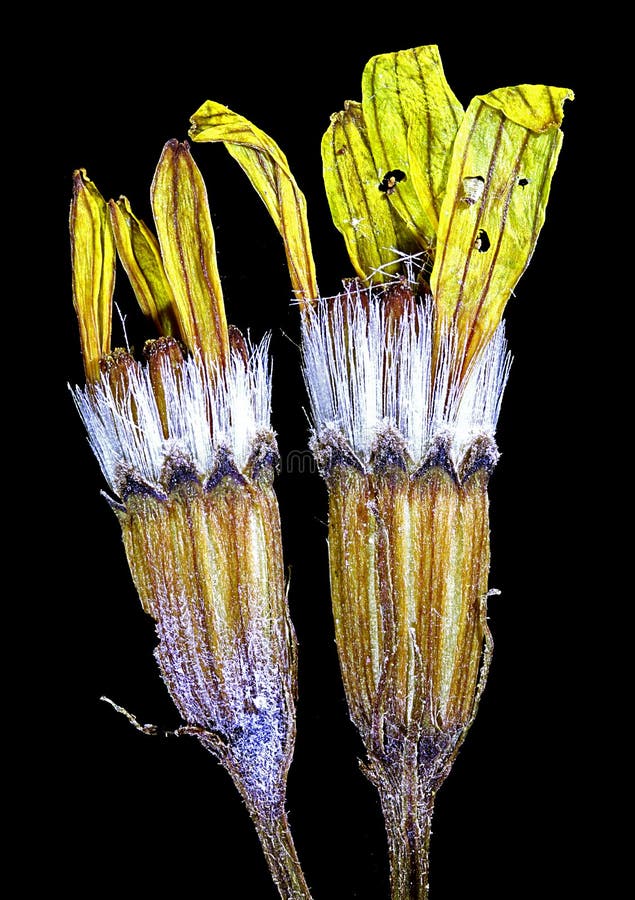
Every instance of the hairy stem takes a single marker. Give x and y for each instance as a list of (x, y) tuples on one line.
[(407, 800), (280, 853)]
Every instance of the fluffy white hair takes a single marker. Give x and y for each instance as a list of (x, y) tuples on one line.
[(205, 412), (367, 372)]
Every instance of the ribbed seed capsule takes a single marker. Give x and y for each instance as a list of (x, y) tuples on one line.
[(409, 559), (206, 563)]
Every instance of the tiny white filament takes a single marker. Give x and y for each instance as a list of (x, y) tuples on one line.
[(365, 372), (228, 410)]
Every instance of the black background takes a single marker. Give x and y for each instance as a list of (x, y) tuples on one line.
[(114, 810)]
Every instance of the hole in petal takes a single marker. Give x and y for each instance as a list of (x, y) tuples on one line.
[(473, 187), (482, 242), (390, 180)]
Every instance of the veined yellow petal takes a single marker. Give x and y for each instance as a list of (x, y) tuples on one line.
[(93, 259), (412, 118), (503, 161), (535, 106), (361, 211), (186, 237), (268, 170), (140, 256)]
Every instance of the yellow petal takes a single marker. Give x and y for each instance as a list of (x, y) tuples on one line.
[(268, 170), (186, 238), (139, 253), (502, 165), (360, 210), (412, 118), (93, 259), (535, 106)]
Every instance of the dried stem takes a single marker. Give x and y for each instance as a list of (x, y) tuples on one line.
[(407, 799), (267, 814), (279, 850)]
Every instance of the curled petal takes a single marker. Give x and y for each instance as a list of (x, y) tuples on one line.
[(359, 208), (502, 164), (140, 256), (93, 261), (412, 117), (268, 170), (184, 226)]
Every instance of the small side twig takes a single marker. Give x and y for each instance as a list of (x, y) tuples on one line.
[(155, 731)]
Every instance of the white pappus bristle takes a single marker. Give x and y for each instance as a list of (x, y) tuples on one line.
[(228, 409), (367, 372)]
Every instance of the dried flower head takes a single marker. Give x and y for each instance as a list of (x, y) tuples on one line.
[(185, 443)]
